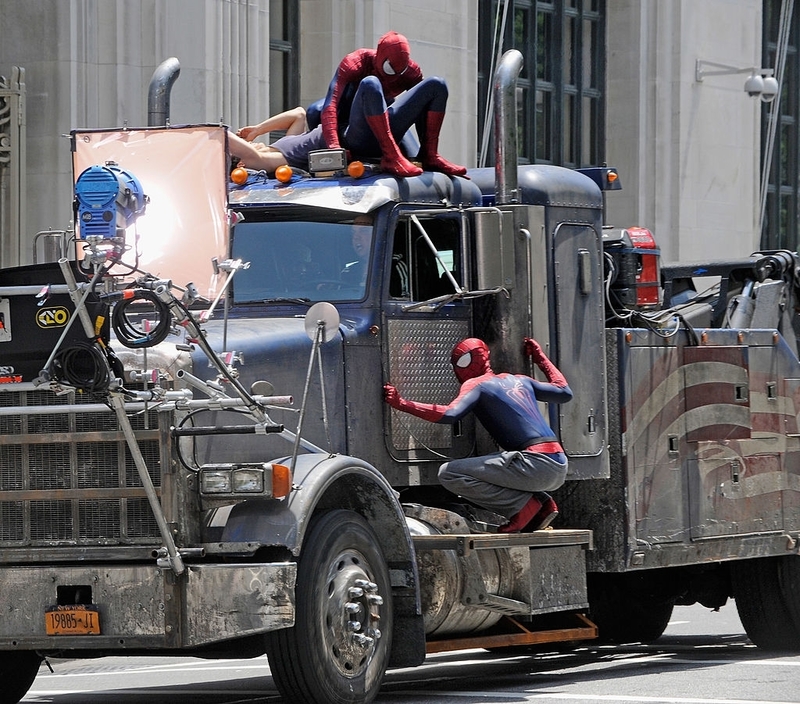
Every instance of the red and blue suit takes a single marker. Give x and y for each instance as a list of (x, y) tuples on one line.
[(374, 99), (513, 481)]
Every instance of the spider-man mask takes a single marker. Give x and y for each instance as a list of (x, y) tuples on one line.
[(470, 358), (393, 54)]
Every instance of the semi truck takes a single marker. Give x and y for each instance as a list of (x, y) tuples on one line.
[(196, 457)]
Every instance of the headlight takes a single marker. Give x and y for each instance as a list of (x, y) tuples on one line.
[(268, 480), (248, 481), (215, 481)]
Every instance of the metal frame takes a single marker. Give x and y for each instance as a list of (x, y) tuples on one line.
[(518, 634), (538, 143), (780, 223), (285, 40), (12, 167)]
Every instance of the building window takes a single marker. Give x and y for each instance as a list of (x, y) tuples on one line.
[(779, 225), (284, 53), (561, 84)]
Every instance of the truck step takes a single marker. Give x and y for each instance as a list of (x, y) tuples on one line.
[(504, 605), (464, 543)]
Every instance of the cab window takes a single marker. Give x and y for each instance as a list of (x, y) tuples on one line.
[(302, 260), (420, 272)]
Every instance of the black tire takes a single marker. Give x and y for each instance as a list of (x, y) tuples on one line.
[(767, 595), (18, 670), (628, 608), (338, 650)]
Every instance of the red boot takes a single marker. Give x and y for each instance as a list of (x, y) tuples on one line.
[(523, 517), (544, 516), (392, 159), (429, 152)]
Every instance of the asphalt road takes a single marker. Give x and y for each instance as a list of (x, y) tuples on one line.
[(703, 658)]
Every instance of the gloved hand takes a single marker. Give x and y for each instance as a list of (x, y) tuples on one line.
[(533, 349), (426, 411), (391, 396)]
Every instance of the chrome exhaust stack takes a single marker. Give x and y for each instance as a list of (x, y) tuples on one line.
[(159, 91), (505, 127)]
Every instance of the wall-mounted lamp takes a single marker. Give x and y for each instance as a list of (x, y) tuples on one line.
[(759, 83)]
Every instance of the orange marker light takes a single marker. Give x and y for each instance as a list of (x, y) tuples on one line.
[(612, 176), (281, 480), (355, 169), (239, 175), (284, 173)]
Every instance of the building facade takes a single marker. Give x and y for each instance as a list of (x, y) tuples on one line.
[(612, 81)]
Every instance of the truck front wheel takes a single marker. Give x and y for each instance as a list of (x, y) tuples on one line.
[(767, 595), (18, 670), (338, 649)]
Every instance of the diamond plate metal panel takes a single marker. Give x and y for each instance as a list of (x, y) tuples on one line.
[(419, 366)]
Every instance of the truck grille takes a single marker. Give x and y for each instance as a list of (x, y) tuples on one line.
[(68, 476)]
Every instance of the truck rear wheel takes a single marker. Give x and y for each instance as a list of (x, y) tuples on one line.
[(18, 670), (767, 595), (338, 650)]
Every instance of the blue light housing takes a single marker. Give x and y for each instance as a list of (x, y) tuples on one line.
[(109, 199)]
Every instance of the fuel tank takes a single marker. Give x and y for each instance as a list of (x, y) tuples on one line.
[(471, 576), (445, 576)]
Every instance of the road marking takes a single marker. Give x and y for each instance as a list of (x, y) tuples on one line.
[(560, 696), (704, 661), (42, 697), (177, 667)]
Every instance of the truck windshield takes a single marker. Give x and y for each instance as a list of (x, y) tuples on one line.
[(309, 261)]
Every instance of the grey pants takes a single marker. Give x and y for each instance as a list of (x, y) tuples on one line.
[(502, 482)]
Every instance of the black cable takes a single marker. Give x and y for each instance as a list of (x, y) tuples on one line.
[(189, 417), (132, 334), (206, 347), (82, 365)]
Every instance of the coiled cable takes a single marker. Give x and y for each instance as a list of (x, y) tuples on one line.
[(83, 365), (132, 328)]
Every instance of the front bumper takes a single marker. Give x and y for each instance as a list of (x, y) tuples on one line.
[(144, 606)]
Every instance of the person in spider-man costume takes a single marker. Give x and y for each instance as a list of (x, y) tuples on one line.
[(513, 481), (374, 99)]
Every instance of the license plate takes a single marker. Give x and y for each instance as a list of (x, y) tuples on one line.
[(77, 620)]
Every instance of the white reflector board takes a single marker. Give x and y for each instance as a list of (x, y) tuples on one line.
[(183, 172)]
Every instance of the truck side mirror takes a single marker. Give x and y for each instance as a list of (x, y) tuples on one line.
[(494, 248)]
